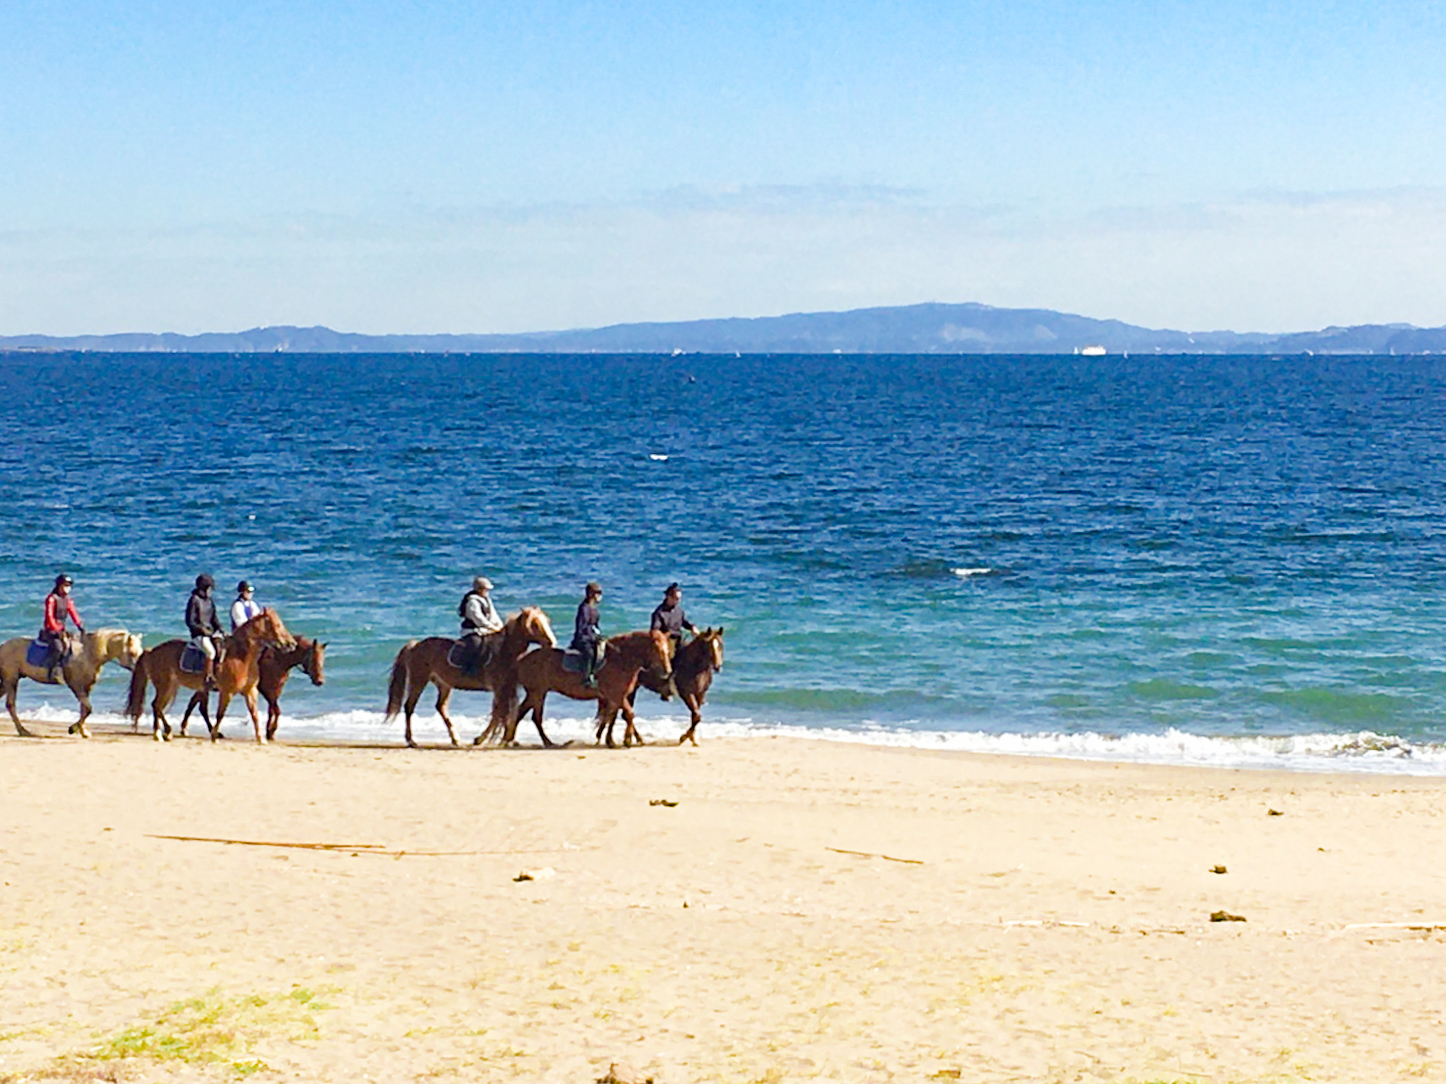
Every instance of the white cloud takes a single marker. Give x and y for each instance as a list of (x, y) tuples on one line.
[(1270, 262)]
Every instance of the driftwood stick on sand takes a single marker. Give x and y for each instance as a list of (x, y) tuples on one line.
[(355, 848), (1420, 925), (870, 854)]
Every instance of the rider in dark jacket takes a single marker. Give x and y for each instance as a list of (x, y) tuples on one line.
[(670, 618), (587, 633), (203, 624)]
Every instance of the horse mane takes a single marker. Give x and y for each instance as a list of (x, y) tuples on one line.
[(247, 631)]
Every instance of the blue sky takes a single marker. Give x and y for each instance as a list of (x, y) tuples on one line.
[(437, 166)]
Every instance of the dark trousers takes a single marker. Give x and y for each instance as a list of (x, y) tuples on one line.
[(55, 642)]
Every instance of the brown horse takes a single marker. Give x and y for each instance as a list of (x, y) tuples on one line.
[(275, 669), (627, 655), (693, 668), (79, 674), (420, 662), (237, 672)]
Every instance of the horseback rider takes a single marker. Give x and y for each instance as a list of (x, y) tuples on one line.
[(203, 624), (59, 607), (669, 618), (245, 607), (479, 620), (587, 634)]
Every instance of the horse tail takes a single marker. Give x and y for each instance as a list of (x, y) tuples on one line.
[(136, 699), (397, 688), (504, 706)]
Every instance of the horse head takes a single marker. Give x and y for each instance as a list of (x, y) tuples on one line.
[(131, 651), (713, 639), (113, 645), (313, 666)]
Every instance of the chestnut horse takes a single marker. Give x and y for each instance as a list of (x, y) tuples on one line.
[(79, 674), (236, 672), (425, 661), (627, 655), (275, 669), (693, 668)]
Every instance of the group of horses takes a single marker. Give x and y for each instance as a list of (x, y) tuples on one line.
[(524, 655), (259, 658), (261, 654)]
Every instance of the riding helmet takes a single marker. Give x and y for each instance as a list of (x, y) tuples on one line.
[(204, 580), (63, 580), (242, 586)]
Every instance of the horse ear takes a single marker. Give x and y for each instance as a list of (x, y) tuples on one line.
[(720, 630)]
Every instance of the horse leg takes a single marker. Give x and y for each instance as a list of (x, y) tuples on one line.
[(273, 715), (444, 694), (196, 699), (631, 732), (612, 715), (223, 699), (509, 736), (78, 727), (160, 728), (11, 688), (694, 702), (255, 719), (533, 702), (410, 705), (610, 718), (547, 743)]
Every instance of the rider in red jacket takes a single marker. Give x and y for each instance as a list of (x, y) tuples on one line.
[(58, 607)]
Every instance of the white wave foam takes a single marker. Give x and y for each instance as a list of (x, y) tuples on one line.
[(966, 573), (1358, 751)]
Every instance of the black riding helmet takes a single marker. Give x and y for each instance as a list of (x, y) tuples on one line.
[(64, 581), (204, 581)]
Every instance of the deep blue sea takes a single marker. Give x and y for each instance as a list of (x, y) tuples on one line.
[(1196, 560)]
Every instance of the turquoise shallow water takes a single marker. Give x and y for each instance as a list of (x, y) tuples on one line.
[(1237, 560)]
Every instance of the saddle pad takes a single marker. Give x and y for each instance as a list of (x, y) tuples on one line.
[(193, 659), (572, 661), (457, 654), (37, 653)]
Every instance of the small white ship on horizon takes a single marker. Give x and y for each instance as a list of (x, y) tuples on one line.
[(1091, 351)]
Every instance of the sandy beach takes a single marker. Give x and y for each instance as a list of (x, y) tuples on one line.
[(806, 910)]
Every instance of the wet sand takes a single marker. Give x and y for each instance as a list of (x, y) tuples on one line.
[(807, 910)]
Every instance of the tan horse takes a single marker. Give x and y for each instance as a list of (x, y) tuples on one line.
[(542, 672), (237, 672), (421, 662), (693, 668), (80, 671)]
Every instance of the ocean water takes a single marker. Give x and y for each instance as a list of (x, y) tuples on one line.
[(1185, 559)]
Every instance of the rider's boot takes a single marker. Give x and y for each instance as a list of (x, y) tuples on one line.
[(208, 676)]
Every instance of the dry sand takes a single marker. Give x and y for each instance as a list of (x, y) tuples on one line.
[(805, 911)]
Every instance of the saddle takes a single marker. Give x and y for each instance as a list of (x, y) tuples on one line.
[(38, 651), (468, 653), (193, 660), (575, 662)]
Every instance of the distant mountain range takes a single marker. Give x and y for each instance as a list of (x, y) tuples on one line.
[(908, 329)]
